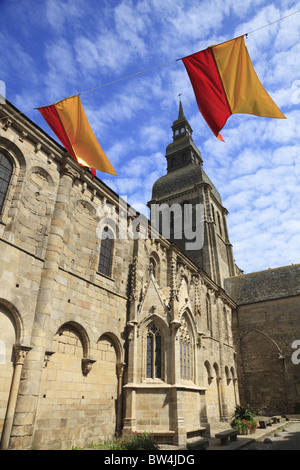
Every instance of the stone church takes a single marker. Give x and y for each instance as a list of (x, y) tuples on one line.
[(101, 333)]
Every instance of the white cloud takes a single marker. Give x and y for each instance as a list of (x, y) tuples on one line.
[(77, 45), (58, 13)]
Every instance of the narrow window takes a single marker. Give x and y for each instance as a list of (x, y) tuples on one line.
[(226, 335), (186, 353), (213, 213), (149, 355), (154, 354), (181, 358), (106, 252), (208, 314), (6, 169), (158, 356), (220, 226)]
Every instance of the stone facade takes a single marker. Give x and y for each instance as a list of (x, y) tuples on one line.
[(101, 332), (265, 326), (146, 346)]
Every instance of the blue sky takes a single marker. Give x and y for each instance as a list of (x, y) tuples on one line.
[(52, 49)]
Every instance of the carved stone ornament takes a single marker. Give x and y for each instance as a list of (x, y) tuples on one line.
[(67, 169), (86, 365), (7, 124), (120, 368)]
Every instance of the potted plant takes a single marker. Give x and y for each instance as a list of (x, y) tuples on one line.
[(244, 420)]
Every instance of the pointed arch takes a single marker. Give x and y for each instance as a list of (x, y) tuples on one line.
[(154, 332), (187, 341), (261, 333), (190, 318)]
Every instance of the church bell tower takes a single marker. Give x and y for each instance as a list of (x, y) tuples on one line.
[(187, 186)]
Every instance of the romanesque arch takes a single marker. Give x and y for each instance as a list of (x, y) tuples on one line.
[(80, 251), (68, 390), (107, 371), (10, 336), (12, 197), (212, 393)]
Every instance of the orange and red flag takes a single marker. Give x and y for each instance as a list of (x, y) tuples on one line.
[(225, 82), (68, 121)]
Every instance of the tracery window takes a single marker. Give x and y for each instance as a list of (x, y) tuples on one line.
[(154, 353), (186, 353), (106, 252), (6, 169)]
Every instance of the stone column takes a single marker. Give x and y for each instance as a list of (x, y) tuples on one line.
[(130, 407), (222, 378), (20, 353), (180, 429), (120, 370), (27, 401)]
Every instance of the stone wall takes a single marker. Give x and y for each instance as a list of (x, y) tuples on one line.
[(73, 341), (266, 323)]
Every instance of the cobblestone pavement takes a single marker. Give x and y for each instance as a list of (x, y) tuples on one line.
[(287, 438)]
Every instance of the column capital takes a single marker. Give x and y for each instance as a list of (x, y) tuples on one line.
[(20, 352), (69, 170)]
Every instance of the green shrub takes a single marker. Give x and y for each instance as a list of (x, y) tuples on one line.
[(132, 441)]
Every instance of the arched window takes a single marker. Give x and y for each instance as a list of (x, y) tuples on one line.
[(154, 353), (6, 169), (106, 252), (186, 353)]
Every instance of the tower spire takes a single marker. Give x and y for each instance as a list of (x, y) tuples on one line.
[(180, 113)]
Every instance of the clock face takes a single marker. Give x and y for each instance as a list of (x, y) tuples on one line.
[(177, 132), (182, 129)]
